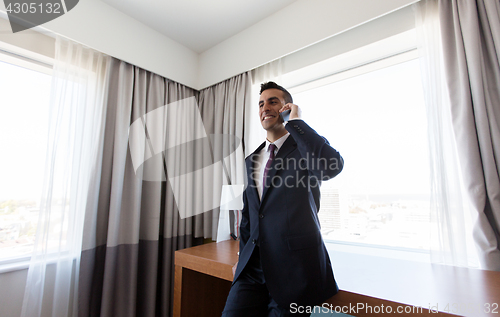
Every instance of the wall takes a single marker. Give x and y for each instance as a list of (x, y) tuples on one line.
[(12, 292), (376, 30), (110, 31), (300, 24), (12, 286)]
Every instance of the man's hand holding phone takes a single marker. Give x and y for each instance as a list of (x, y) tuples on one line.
[(290, 111)]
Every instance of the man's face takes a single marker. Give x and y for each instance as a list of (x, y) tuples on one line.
[(270, 102)]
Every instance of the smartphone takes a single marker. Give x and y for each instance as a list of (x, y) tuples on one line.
[(285, 115)]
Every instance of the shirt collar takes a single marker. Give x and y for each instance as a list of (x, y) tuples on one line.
[(278, 142)]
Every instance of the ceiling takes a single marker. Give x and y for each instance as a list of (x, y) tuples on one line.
[(199, 24)]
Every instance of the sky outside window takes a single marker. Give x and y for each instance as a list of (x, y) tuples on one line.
[(377, 122), (24, 100)]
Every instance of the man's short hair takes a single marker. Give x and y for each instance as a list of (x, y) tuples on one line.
[(273, 85)]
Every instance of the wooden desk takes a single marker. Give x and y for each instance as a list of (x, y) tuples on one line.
[(203, 278)]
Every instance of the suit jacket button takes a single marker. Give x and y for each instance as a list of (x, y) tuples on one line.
[(261, 216), (254, 241)]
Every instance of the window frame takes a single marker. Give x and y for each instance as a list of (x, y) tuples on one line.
[(375, 56)]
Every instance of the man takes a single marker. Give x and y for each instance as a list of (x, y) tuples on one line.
[(283, 264)]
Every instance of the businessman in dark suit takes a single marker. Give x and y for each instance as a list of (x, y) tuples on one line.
[(283, 263)]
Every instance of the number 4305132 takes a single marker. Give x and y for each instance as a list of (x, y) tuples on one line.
[(16, 8)]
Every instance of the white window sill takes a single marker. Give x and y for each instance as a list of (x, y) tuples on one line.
[(14, 264), (23, 263), (391, 275), (412, 255)]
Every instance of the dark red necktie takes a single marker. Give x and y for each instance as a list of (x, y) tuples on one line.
[(272, 147)]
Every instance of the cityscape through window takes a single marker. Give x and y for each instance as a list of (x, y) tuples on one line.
[(377, 122)]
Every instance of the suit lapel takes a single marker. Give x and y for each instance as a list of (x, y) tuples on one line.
[(252, 169), (283, 152)]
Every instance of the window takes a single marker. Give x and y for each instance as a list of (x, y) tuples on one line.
[(24, 101), (377, 122)]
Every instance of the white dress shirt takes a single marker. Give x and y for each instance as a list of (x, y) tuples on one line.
[(263, 157)]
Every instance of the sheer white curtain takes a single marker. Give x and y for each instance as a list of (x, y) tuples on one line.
[(75, 130), (451, 239)]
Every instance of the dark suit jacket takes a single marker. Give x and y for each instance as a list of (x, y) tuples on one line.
[(285, 223)]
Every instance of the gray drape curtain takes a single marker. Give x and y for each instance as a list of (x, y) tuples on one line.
[(470, 32), (224, 108), (134, 222)]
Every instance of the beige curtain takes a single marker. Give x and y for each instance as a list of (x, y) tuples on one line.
[(471, 44), (468, 34), (451, 226)]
